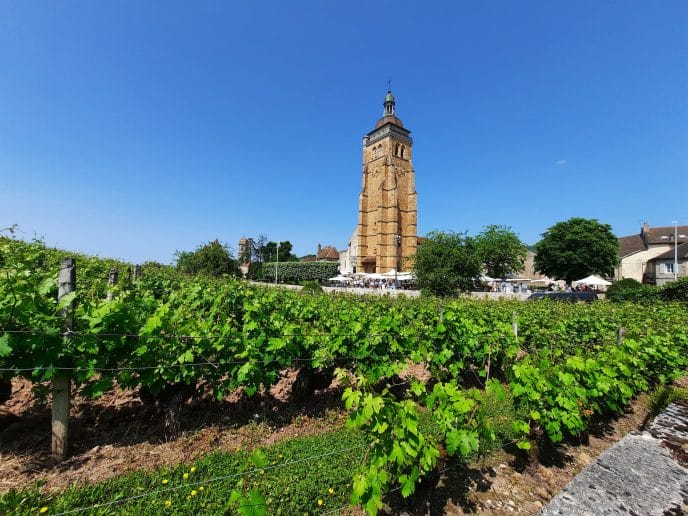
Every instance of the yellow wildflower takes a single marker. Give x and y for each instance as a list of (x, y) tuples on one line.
[(43, 510), (320, 502), (330, 490), (194, 492), (168, 503), (262, 472), (164, 481), (201, 488), (193, 469), (185, 475)]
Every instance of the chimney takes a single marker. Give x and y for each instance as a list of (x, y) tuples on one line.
[(645, 228)]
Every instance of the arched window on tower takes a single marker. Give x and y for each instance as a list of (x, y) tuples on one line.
[(403, 151), (396, 150), (374, 152)]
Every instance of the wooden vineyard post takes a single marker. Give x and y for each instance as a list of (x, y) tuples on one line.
[(137, 272), (514, 324), (61, 383), (620, 336), (113, 276)]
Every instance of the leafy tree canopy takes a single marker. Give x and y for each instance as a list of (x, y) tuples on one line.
[(675, 290), (213, 259), (261, 250), (447, 263), (576, 248), (270, 250), (501, 251)]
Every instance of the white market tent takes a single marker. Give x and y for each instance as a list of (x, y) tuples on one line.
[(593, 281), (400, 276), (340, 279)]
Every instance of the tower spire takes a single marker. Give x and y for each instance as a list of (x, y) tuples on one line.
[(389, 104)]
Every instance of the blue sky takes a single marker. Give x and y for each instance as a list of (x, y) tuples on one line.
[(135, 129)]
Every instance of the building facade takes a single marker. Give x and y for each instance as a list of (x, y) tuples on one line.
[(648, 257), (386, 235)]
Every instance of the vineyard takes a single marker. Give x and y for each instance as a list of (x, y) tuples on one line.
[(548, 368)]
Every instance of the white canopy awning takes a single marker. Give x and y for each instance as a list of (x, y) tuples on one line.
[(341, 279), (593, 280)]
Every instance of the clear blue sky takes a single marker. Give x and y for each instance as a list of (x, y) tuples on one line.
[(133, 129)]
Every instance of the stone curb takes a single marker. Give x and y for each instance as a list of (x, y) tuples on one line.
[(642, 474)]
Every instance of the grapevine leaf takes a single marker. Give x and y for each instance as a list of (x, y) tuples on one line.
[(259, 459), (254, 505), (373, 505), (407, 488), (5, 348), (47, 285), (397, 454), (360, 486), (463, 441)]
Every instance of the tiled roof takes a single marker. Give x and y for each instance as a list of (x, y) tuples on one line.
[(631, 244), (648, 236), (388, 119), (654, 235), (681, 251), (328, 253)]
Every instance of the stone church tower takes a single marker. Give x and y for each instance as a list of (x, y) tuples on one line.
[(387, 210)]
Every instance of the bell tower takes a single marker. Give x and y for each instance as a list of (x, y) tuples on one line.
[(387, 209)]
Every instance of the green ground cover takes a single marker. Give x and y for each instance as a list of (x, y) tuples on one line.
[(302, 475)]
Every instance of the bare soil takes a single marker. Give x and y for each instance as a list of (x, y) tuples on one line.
[(119, 433)]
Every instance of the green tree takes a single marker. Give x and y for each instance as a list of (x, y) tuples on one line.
[(675, 290), (258, 248), (501, 251), (576, 248), (269, 252), (629, 289), (213, 259), (446, 263)]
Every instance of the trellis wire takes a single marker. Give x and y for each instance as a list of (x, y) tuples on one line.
[(210, 481)]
